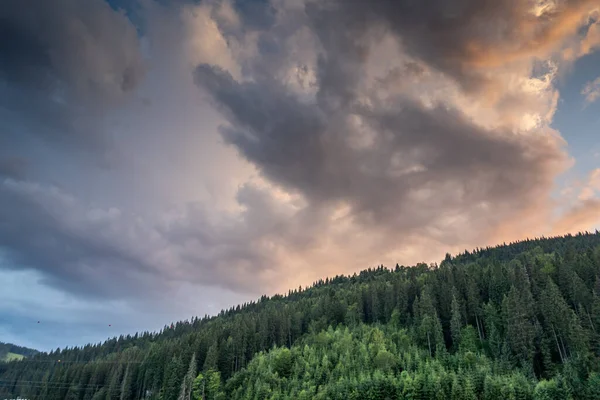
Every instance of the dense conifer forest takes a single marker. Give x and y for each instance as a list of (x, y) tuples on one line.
[(517, 321)]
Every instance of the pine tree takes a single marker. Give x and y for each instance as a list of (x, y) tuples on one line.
[(127, 385), (212, 358), (188, 381), (520, 332), (555, 309), (456, 321), (115, 383), (173, 378)]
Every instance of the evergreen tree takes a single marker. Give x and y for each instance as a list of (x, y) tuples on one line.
[(188, 381), (519, 328), (212, 358), (173, 378), (456, 321), (127, 387)]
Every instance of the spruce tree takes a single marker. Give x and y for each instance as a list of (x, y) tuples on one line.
[(456, 321)]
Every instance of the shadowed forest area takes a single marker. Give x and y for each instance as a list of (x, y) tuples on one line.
[(517, 321), (9, 352)]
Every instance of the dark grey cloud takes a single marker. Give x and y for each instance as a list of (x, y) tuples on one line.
[(414, 150), (256, 14), (424, 164), (463, 38), (106, 254), (62, 64), (78, 249), (87, 48)]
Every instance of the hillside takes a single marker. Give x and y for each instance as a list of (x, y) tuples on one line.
[(517, 321), (12, 357), (11, 352)]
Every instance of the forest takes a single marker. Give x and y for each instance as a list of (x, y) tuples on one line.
[(515, 321), (10, 351)]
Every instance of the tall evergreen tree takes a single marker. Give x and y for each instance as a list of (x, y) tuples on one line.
[(212, 358), (519, 327), (173, 378), (188, 381), (456, 321)]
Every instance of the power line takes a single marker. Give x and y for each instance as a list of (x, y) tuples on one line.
[(20, 382), (60, 362)]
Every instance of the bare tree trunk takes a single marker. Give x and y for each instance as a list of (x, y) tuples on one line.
[(429, 343), (564, 348), (562, 359), (590, 319), (479, 328)]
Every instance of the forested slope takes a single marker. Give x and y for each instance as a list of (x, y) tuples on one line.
[(10, 351), (518, 321)]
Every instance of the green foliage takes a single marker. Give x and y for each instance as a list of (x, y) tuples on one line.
[(212, 358), (10, 352), (13, 357), (283, 363), (469, 340), (385, 361), (173, 379), (518, 321), (550, 390), (456, 321), (593, 387), (207, 386)]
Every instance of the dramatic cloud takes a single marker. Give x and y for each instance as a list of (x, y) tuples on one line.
[(46, 229), (591, 40), (401, 161), (471, 39), (259, 145), (433, 162), (62, 64), (104, 253)]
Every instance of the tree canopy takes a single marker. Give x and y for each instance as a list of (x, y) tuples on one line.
[(516, 321)]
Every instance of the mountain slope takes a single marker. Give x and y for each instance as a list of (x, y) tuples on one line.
[(11, 352), (518, 320)]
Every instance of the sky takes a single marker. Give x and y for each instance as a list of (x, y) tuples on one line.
[(161, 160)]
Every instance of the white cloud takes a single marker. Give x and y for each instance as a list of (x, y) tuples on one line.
[(591, 91)]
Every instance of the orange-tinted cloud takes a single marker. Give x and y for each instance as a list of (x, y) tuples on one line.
[(583, 217), (591, 91)]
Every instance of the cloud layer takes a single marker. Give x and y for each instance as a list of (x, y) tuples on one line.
[(63, 65), (591, 91), (255, 146)]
